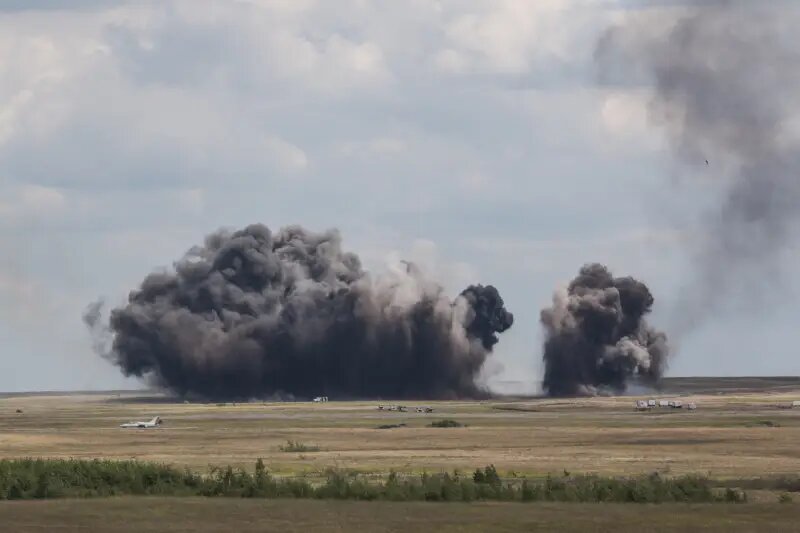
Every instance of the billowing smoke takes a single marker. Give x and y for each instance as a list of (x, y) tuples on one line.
[(725, 81), (596, 337), (253, 313)]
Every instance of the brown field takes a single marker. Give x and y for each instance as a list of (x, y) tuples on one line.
[(732, 434), (742, 429), (172, 515)]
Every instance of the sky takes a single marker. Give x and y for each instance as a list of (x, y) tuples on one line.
[(469, 136)]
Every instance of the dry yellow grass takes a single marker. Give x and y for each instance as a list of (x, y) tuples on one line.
[(725, 437)]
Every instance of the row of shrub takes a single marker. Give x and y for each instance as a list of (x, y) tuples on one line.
[(42, 478)]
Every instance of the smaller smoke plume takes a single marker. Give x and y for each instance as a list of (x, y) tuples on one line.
[(596, 336)]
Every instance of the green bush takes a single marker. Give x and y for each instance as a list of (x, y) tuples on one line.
[(297, 446), (446, 423)]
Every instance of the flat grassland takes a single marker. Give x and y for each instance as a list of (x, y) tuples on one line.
[(741, 429), (731, 435)]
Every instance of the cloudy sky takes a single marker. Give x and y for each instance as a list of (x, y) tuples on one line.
[(470, 136)]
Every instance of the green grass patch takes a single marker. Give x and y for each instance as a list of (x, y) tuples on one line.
[(42, 479)]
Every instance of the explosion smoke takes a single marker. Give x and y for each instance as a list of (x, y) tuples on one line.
[(253, 314), (596, 337), (726, 80)]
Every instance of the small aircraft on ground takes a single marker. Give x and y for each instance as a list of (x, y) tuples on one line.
[(154, 422)]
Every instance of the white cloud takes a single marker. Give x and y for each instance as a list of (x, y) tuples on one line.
[(31, 201), (379, 146), (626, 121), (193, 200), (285, 155), (476, 181), (625, 113), (508, 36)]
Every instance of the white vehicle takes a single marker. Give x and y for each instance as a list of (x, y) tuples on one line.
[(154, 422), (663, 403), (692, 406), (641, 405), (651, 403), (321, 399)]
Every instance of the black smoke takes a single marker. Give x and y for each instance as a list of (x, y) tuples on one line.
[(253, 313), (596, 337), (724, 80)]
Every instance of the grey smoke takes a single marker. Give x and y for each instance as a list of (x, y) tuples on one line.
[(252, 313), (93, 318), (725, 80), (597, 338)]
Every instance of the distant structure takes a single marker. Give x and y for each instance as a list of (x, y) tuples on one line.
[(643, 405), (401, 408)]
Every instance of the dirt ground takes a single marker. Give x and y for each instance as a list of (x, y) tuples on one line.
[(172, 515)]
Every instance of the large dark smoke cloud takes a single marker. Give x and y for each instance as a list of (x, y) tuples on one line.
[(725, 80), (596, 337), (253, 313)]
